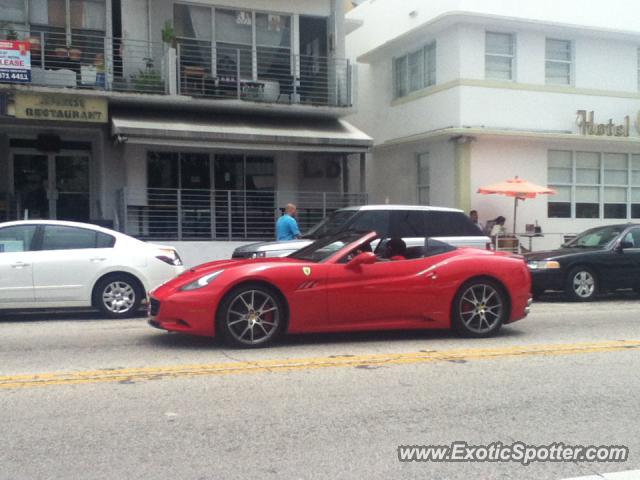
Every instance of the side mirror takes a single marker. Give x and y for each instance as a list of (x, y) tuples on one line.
[(622, 245), (364, 258)]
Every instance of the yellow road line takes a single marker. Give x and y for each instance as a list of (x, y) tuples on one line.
[(262, 366)]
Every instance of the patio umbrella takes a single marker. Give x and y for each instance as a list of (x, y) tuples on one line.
[(519, 188)]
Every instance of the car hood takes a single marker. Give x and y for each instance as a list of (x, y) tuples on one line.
[(233, 263), (559, 253), (274, 246)]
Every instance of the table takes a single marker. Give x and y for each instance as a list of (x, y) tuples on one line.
[(530, 236)]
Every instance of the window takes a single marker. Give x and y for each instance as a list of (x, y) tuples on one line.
[(499, 55), (371, 221), (423, 179), (68, 238), (88, 15), (415, 71), (558, 62), (594, 185), (408, 223), (12, 11), (273, 46), (638, 54), (450, 224), (17, 239)]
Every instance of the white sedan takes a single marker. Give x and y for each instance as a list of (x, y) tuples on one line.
[(53, 264)]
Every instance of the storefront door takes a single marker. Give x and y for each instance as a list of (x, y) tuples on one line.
[(52, 186)]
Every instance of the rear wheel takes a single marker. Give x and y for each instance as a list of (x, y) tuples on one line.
[(118, 296), (582, 284), (479, 309), (251, 316)]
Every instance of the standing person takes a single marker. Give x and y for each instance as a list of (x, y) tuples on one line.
[(498, 229), (287, 226), (473, 216)]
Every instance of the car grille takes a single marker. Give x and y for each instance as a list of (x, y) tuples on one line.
[(154, 307)]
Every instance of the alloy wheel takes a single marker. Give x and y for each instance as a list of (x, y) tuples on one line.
[(253, 317), (118, 297), (481, 308), (584, 284)]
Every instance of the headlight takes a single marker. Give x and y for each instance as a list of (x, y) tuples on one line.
[(201, 282), (544, 265), (258, 254)]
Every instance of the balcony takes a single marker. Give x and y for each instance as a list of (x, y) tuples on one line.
[(193, 69), (189, 214)]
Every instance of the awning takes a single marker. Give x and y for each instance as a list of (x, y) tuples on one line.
[(220, 130)]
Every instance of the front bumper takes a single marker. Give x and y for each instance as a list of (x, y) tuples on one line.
[(547, 279), (187, 312)]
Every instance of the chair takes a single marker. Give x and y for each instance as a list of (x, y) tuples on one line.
[(287, 89), (194, 75)]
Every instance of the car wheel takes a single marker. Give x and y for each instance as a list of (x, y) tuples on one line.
[(582, 284), (251, 316), (118, 296), (479, 309)]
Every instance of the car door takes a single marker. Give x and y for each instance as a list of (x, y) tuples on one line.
[(68, 264), (627, 266), (383, 293), (16, 264)]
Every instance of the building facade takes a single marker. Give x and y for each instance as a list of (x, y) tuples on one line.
[(461, 94), (178, 120)]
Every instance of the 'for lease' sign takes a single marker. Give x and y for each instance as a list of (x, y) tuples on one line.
[(15, 61)]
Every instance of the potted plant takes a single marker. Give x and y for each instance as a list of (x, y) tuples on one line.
[(12, 34), (148, 80), (169, 34)]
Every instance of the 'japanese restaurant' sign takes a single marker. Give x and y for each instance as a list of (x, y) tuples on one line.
[(57, 107), (15, 61)]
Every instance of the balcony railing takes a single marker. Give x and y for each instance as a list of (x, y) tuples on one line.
[(182, 214), (194, 68)]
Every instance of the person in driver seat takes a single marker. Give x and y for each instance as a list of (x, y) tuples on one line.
[(396, 249)]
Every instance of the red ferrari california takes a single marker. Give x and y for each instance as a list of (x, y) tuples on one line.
[(349, 282)]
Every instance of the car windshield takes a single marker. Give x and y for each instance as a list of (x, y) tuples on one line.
[(333, 224), (595, 238), (322, 249)]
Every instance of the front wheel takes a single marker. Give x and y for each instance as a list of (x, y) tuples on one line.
[(251, 316), (118, 296), (582, 284), (479, 309)]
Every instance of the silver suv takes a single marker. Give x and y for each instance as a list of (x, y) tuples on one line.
[(410, 222)]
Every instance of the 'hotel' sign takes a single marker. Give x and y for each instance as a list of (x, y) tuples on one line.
[(588, 126)]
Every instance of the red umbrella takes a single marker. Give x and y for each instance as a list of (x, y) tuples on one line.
[(518, 188)]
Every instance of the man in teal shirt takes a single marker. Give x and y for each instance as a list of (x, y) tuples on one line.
[(286, 226)]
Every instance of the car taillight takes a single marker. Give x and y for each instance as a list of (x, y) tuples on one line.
[(170, 256)]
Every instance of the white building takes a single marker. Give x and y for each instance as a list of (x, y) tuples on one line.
[(458, 94), (179, 120)]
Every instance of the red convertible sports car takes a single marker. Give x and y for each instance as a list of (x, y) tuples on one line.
[(349, 282)]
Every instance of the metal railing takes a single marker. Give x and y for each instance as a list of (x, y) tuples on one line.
[(264, 74), (89, 60), (184, 214)]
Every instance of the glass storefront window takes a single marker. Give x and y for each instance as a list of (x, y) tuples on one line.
[(88, 15), (193, 22), (12, 11), (559, 205)]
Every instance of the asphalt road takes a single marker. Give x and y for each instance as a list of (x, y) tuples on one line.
[(88, 398)]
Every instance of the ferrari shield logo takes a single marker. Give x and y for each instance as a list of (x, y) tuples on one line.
[(306, 271)]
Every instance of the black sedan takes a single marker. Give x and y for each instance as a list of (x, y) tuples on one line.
[(597, 260)]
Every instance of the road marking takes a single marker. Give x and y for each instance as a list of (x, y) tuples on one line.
[(287, 365)]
